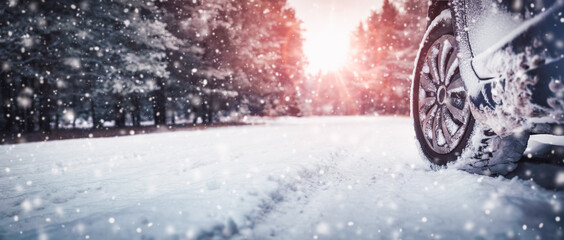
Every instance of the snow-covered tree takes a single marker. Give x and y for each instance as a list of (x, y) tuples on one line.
[(124, 61), (93, 51), (384, 48)]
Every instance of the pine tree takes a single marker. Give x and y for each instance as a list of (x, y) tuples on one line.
[(383, 57), (113, 60)]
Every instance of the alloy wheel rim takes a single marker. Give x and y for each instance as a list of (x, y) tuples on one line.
[(443, 109)]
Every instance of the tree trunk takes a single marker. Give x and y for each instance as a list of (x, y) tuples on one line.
[(74, 122), (32, 120), (74, 108), (159, 103), (26, 118), (7, 96), (29, 123), (119, 112), (45, 101), (96, 124), (136, 115), (45, 106), (57, 116), (210, 109)]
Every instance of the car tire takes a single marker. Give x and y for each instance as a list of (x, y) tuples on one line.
[(447, 133)]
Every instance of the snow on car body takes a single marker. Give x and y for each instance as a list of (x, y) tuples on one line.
[(487, 76)]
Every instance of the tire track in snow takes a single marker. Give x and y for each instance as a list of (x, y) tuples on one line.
[(297, 189)]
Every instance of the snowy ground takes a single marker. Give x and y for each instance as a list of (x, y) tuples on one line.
[(313, 178)]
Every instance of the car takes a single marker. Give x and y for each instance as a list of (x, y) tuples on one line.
[(488, 75)]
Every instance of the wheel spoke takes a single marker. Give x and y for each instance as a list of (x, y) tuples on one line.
[(428, 117), (444, 50), (457, 114), (451, 69), (426, 103), (456, 83), (426, 83), (452, 63), (446, 133), (436, 127), (432, 62), (427, 121)]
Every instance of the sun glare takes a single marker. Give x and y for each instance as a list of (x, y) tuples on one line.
[(326, 51)]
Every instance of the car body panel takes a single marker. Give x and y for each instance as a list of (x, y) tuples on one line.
[(513, 75)]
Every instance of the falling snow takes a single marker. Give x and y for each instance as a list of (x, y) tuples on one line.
[(98, 69)]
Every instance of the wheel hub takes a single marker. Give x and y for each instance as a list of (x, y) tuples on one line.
[(441, 95)]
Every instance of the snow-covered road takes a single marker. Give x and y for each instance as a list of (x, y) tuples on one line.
[(312, 178)]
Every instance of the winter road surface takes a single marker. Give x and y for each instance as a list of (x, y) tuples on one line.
[(313, 178)]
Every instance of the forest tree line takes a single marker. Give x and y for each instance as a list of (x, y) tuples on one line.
[(129, 62), (99, 63)]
